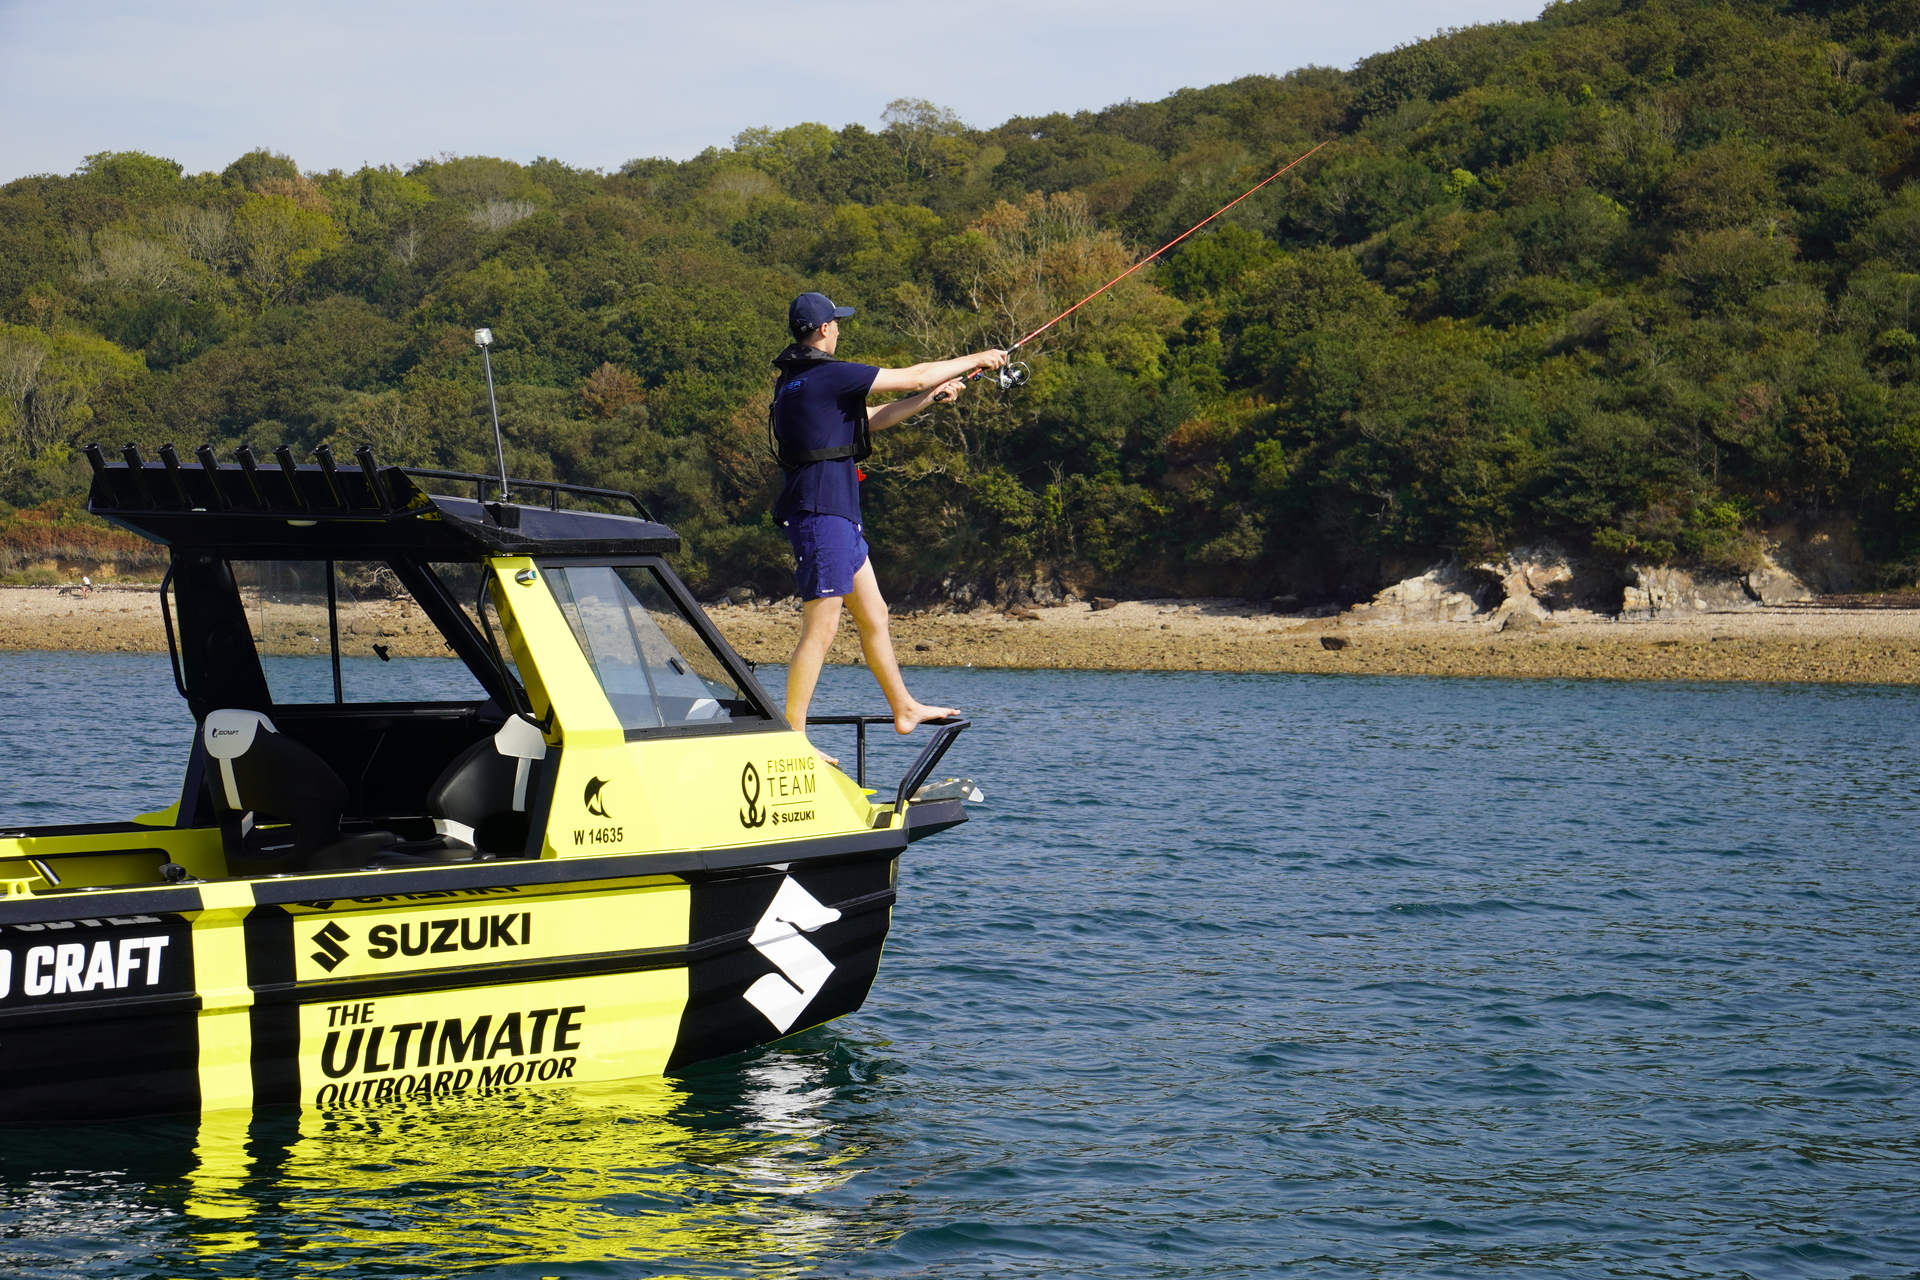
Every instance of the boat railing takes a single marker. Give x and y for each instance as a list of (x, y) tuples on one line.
[(949, 728), (859, 724), (552, 488)]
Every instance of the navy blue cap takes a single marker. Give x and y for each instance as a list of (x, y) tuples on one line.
[(811, 310)]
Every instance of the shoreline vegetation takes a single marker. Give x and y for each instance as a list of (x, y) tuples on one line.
[(1811, 642), (1636, 283)]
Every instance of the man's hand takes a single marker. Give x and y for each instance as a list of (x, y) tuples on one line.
[(920, 378), (900, 410)]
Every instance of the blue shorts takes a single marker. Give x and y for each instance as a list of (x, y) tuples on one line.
[(827, 552)]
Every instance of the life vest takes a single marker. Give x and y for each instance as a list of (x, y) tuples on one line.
[(789, 362)]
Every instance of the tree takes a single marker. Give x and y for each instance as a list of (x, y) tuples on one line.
[(930, 137), (279, 240), (47, 383)]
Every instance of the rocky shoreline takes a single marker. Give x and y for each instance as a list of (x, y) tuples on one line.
[(1807, 642), (1798, 644)]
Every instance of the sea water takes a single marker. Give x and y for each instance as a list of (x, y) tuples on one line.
[(1231, 976)]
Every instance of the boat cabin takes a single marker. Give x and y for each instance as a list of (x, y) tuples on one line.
[(558, 631)]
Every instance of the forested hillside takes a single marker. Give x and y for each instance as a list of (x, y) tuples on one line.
[(1638, 277)]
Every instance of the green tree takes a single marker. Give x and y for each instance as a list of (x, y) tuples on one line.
[(278, 242), (47, 385)]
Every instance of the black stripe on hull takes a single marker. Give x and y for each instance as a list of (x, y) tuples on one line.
[(56, 1071), (455, 877), (719, 1019)]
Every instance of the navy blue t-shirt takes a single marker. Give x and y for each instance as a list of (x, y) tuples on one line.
[(818, 406)]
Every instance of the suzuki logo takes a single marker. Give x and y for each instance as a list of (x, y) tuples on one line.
[(777, 937), (331, 953)]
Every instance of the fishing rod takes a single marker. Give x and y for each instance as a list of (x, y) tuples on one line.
[(1012, 375)]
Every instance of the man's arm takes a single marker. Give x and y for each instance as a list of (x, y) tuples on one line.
[(925, 377), (905, 407)]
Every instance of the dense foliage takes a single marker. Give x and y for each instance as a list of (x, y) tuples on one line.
[(1640, 277)]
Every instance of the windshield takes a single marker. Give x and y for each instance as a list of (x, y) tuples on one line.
[(654, 666)]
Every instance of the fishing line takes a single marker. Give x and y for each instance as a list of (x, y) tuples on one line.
[(1007, 376)]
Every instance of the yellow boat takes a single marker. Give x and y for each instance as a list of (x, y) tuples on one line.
[(613, 859)]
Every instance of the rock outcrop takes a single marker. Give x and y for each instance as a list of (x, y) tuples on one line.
[(1531, 580), (1661, 591), (1444, 593), (1531, 584), (1654, 591), (1825, 555), (1769, 582)]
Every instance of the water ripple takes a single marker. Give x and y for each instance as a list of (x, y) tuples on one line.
[(1234, 976)]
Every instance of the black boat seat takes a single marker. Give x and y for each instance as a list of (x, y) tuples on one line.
[(278, 802), (479, 802)]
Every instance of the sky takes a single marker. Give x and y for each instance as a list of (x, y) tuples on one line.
[(339, 83)]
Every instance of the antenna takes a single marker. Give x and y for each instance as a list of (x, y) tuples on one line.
[(483, 338)]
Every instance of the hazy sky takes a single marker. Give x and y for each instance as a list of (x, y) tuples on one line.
[(596, 83)]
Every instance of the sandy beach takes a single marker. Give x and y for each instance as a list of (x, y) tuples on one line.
[(1795, 643)]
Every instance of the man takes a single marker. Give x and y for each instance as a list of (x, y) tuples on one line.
[(820, 423)]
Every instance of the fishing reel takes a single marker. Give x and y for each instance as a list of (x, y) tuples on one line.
[(1008, 377)]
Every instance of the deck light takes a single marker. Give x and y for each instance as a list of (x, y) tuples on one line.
[(483, 338)]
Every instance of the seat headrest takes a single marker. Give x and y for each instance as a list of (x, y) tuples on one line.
[(521, 739), (228, 734)]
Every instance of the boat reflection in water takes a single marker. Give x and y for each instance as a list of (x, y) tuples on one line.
[(645, 1171)]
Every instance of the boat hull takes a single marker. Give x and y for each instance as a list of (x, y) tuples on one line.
[(356, 990)]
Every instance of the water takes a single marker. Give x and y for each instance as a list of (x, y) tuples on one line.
[(1233, 976), (301, 678)]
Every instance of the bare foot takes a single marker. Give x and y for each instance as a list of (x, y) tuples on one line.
[(917, 714)]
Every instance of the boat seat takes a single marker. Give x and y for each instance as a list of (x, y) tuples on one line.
[(479, 802), (279, 803)]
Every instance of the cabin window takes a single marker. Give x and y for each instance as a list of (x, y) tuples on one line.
[(467, 584), (346, 631), (654, 666)]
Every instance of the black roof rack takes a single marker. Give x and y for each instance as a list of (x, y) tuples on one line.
[(367, 506)]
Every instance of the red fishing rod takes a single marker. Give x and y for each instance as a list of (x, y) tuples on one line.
[(1013, 375)]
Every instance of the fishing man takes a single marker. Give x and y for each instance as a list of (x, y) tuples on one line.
[(820, 425)]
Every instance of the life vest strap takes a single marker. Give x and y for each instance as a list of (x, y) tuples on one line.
[(822, 455)]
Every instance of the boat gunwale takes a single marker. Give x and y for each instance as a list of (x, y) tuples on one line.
[(292, 888)]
